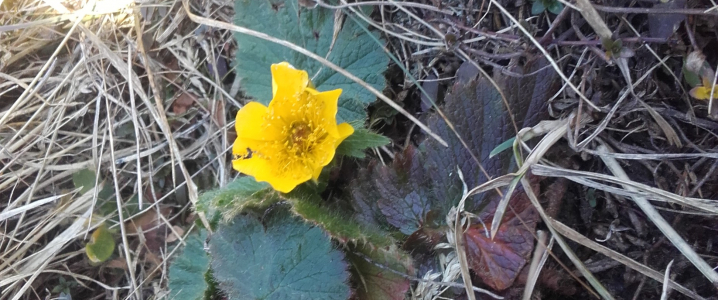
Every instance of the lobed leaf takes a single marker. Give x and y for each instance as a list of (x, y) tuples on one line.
[(317, 30), (340, 227), (355, 144), (398, 195), (188, 272), (279, 258)]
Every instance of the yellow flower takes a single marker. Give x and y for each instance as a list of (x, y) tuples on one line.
[(703, 92), (290, 141)]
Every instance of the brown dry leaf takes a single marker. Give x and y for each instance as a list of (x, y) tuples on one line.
[(147, 221), (151, 227), (174, 69), (183, 102), (117, 263), (173, 237), (231, 135), (219, 114)]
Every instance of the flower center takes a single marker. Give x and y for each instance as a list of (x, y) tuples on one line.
[(299, 133), (301, 138)]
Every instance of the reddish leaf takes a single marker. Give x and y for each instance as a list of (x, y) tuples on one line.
[(424, 239), (498, 262)]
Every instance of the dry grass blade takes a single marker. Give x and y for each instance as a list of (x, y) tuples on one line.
[(560, 128), (35, 264), (637, 189), (657, 156), (553, 63), (627, 261), (604, 123), (459, 242), (666, 287), (591, 16), (540, 255), (6, 214), (176, 156), (661, 223), (118, 201), (600, 289)]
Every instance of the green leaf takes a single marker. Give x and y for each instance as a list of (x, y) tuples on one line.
[(313, 29), (691, 78), (239, 194), (502, 147), (101, 245), (555, 7), (84, 178), (537, 7), (188, 272), (355, 144), (280, 258), (591, 197), (379, 273), (340, 227)]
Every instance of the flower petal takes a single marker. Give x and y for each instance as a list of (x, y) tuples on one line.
[(317, 172), (329, 100), (250, 120), (248, 162), (263, 168), (285, 184), (287, 80), (345, 130), (702, 93), (324, 152)]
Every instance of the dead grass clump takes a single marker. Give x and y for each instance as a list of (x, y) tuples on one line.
[(129, 92)]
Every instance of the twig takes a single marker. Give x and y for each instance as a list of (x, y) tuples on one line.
[(641, 10)]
